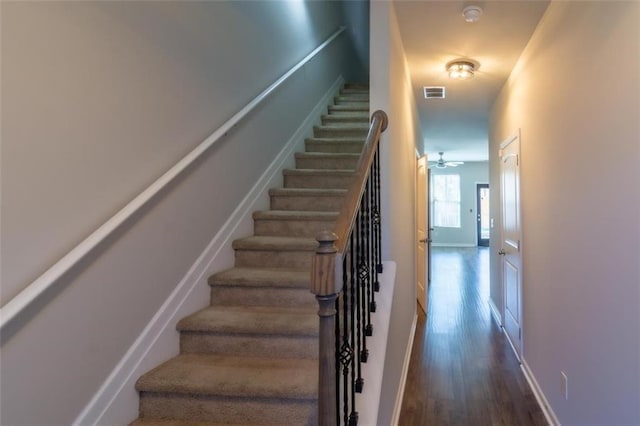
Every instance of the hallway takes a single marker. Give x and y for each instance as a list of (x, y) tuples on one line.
[(462, 370)]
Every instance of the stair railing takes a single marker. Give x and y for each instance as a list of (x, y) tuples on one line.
[(344, 278)]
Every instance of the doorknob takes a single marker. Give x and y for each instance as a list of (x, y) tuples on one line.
[(501, 252), (424, 240)]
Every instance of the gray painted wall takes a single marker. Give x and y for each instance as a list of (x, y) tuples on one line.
[(99, 99), (471, 173), (391, 91), (580, 212)]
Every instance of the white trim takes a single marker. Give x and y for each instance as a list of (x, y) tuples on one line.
[(46, 280), (495, 313), (537, 391), (368, 402), (453, 245), (405, 372), (159, 336)]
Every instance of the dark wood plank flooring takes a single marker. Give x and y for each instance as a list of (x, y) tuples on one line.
[(462, 369)]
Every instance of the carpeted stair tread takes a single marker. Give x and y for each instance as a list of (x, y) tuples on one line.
[(196, 374), (308, 192), (362, 117), (347, 145), (252, 320), (358, 130), (276, 243), (327, 160), (341, 139), (295, 215), (353, 97), (173, 422), (319, 172), (349, 108), (261, 277), (354, 91), (345, 126), (328, 155)]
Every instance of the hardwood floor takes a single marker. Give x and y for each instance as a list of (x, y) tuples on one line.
[(462, 370)]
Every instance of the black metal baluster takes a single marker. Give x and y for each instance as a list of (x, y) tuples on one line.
[(346, 352), (362, 279), (378, 215), (371, 260), (338, 361), (356, 308), (355, 381), (353, 417), (366, 271)]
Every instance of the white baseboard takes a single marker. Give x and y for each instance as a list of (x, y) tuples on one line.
[(405, 372), (537, 391), (495, 313), (453, 245), (116, 401)]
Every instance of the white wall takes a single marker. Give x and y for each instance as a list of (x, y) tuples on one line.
[(575, 93), (98, 100), (471, 173), (391, 91)]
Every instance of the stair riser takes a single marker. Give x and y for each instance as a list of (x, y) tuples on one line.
[(315, 181), (273, 259), (337, 147), (352, 103), (262, 296), (327, 163), (352, 97), (291, 228), (356, 86), (305, 203), (344, 119), (361, 107), (355, 91), (327, 132), (228, 410), (251, 346)]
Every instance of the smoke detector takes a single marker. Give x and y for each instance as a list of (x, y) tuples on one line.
[(472, 13)]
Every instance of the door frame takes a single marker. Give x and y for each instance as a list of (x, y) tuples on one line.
[(422, 232), (480, 241), (519, 349)]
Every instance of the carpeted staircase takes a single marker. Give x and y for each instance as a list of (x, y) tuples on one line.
[(251, 357)]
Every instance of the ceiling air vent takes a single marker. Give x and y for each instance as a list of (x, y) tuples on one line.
[(433, 92)]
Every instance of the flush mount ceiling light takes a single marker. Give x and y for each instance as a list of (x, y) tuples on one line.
[(461, 70), (472, 13)]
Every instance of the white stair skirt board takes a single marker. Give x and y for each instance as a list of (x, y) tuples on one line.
[(495, 313), (405, 372), (116, 401), (368, 401), (537, 391)]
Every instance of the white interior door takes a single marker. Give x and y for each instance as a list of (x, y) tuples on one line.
[(511, 250), (422, 224)]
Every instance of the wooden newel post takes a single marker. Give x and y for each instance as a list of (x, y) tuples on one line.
[(326, 287)]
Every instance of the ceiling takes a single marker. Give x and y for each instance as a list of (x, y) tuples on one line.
[(434, 33)]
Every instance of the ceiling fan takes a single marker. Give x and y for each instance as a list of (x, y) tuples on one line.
[(441, 164)]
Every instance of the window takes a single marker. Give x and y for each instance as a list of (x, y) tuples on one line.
[(446, 201)]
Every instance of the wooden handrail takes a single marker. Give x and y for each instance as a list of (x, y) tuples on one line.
[(347, 217)]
